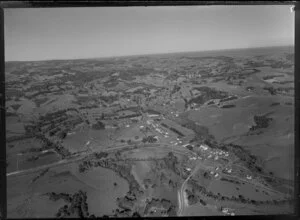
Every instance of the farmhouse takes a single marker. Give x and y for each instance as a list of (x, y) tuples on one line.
[(203, 147)]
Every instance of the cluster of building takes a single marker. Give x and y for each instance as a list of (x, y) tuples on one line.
[(157, 128), (177, 142), (174, 113), (228, 211), (215, 154), (227, 170)]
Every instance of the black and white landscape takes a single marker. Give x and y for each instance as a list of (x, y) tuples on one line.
[(164, 134)]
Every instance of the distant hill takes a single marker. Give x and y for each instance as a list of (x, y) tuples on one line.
[(226, 52)]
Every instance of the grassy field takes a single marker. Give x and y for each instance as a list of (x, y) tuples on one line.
[(147, 152), (98, 183), (140, 170), (43, 159), (231, 189), (76, 141), (103, 193), (25, 200), (200, 210), (14, 127), (16, 153)]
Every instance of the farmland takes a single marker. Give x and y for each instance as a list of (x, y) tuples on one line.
[(183, 134)]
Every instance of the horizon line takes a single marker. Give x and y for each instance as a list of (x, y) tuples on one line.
[(149, 54)]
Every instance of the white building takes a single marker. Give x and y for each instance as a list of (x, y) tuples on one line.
[(225, 210), (203, 147), (152, 115)]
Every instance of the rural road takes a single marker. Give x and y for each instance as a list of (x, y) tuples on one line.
[(82, 156), (181, 201), (61, 162), (35, 169)]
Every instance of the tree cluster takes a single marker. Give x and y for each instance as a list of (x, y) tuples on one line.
[(98, 126), (261, 122), (161, 203), (207, 93), (77, 204), (149, 139), (239, 198), (193, 198)]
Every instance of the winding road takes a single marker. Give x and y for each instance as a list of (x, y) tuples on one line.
[(181, 199)]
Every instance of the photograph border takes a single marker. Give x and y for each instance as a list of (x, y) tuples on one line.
[(55, 4)]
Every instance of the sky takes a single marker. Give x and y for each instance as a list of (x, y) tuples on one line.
[(73, 33)]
